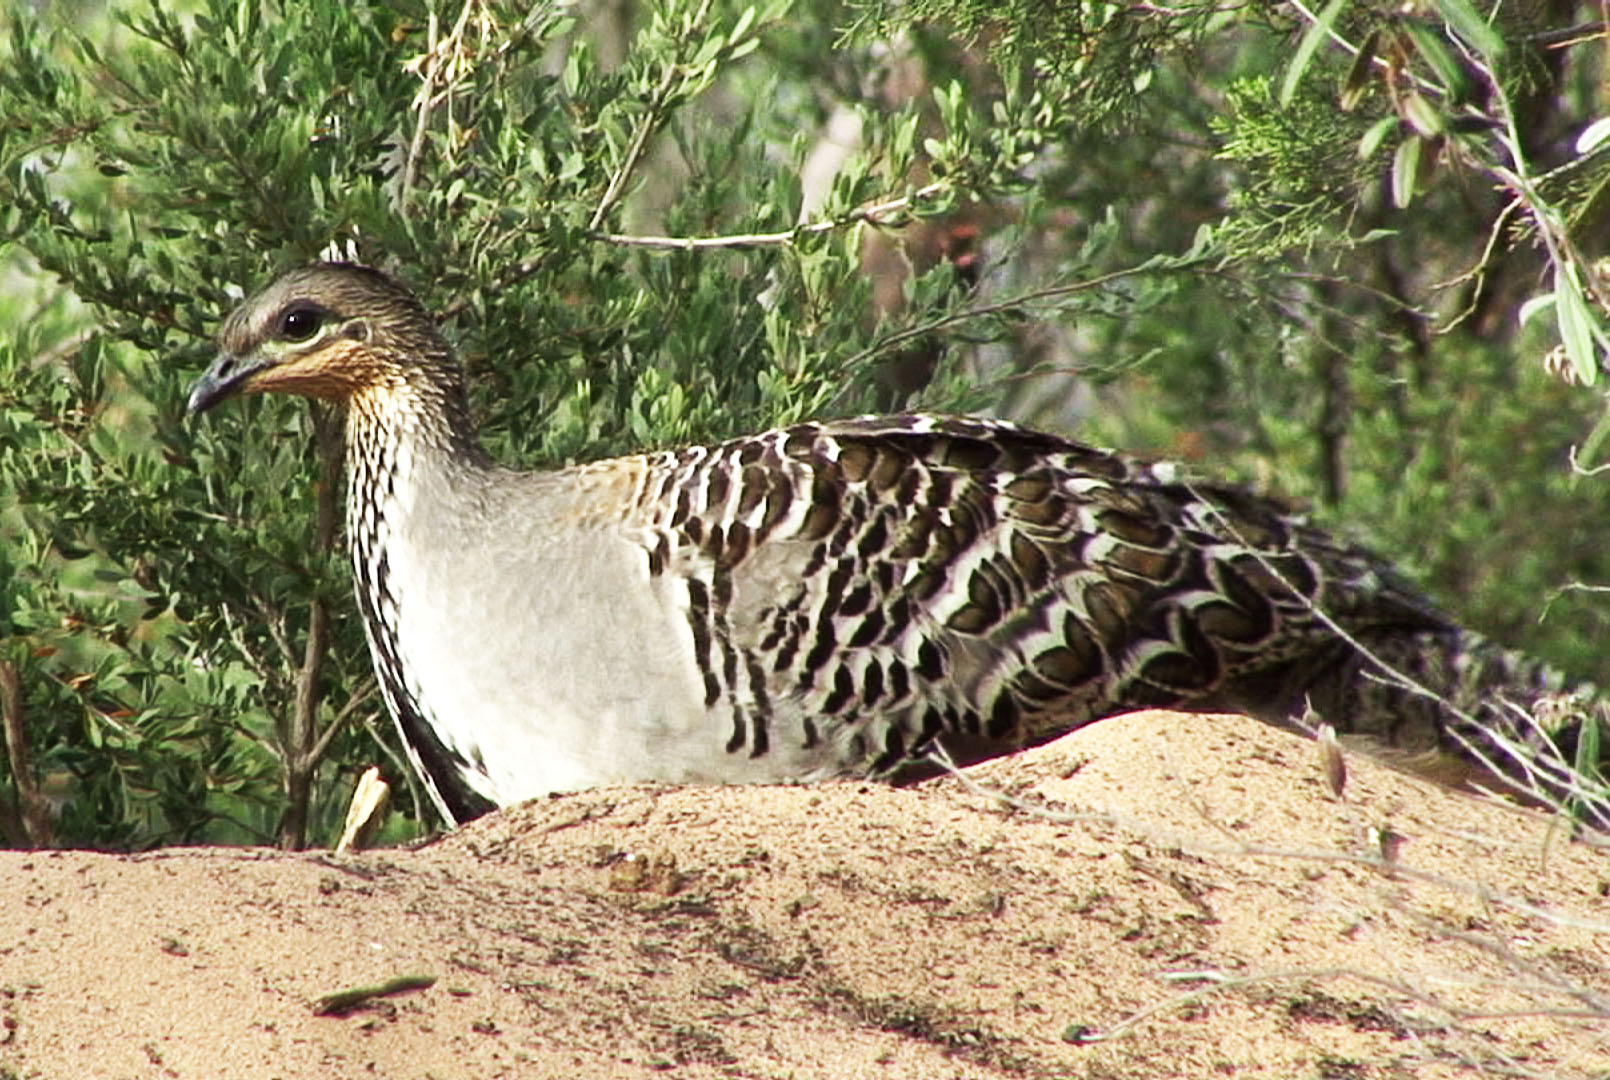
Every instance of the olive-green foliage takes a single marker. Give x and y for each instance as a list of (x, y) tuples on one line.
[(1245, 271), (1366, 357), (162, 576)]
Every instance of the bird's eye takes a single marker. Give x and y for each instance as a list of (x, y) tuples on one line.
[(299, 324)]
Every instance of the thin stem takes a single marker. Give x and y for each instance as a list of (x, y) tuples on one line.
[(1578, 469), (872, 214), (1478, 272), (1353, 50), (634, 150), (33, 808), (442, 65), (425, 102), (301, 760), (349, 710), (1011, 303)]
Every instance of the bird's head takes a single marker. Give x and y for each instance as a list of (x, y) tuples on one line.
[(329, 331)]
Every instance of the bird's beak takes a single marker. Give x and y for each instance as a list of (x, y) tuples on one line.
[(224, 379)]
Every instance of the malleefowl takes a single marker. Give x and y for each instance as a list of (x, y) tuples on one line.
[(841, 598)]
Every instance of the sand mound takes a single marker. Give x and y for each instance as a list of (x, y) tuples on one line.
[(1225, 918)]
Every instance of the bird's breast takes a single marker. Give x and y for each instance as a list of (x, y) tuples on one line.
[(545, 663)]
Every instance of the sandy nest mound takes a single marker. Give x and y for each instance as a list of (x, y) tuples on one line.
[(1165, 896)]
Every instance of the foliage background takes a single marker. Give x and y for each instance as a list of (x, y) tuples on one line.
[(1212, 234)]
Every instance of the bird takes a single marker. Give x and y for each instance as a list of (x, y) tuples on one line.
[(860, 597)]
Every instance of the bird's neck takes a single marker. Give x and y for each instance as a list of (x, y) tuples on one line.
[(412, 457), (413, 421), (413, 465)]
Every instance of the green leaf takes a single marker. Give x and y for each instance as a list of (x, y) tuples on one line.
[(1455, 83), (570, 78), (1477, 31), (745, 20), (1405, 171), (1377, 133), (1533, 306), (1589, 766), (1422, 115), (1593, 135), (1306, 48), (1576, 323), (1359, 75), (1587, 756)]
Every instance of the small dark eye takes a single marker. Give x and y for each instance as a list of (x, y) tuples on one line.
[(299, 324)]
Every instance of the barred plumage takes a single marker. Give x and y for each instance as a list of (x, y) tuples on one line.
[(838, 598)]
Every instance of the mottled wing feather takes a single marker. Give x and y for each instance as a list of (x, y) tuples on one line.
[(879, 583)]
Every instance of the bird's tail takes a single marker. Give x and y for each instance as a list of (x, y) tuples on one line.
[(1449, 704)]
